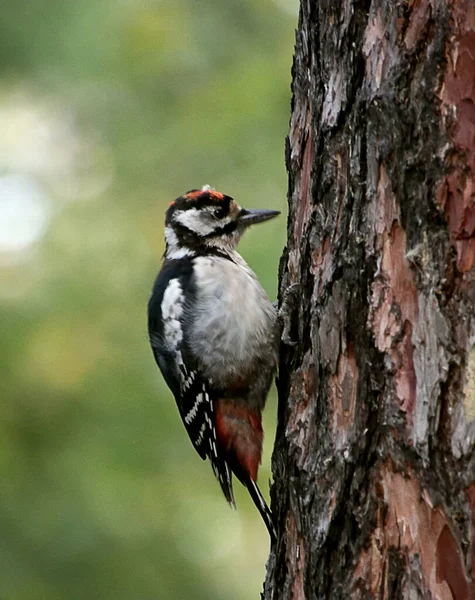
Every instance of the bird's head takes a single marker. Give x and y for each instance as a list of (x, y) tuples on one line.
[(207, 218)]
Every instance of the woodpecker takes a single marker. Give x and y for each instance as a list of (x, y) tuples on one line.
[(213, 333)]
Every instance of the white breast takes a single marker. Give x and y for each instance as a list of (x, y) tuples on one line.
[(233, 319)]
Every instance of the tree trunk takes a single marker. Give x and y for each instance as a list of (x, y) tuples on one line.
[(374, 462)]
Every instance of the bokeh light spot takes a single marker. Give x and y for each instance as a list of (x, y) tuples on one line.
[(24, 213)]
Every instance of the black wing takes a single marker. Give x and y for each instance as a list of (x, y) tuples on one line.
[(193, 393)]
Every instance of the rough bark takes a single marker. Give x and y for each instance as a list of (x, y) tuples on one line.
[(374, 462)]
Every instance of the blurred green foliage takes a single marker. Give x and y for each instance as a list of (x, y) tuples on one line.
[(109, 110)]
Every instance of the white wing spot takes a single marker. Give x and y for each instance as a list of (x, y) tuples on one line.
[(189, 380), (201, 433), (172, 309), (192, 414)]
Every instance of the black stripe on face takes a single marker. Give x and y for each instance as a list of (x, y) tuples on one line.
[(199, 200), (227, 229), (193, 240)]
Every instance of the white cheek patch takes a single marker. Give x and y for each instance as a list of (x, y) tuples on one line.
[(200, 222), (170, 237), (174, 250)]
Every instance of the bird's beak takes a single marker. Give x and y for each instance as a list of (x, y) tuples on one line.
[(252, 216)]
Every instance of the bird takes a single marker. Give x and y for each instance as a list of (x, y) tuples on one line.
[(214, 335)]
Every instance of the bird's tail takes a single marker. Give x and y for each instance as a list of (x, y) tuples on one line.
[(262, 507), (224, 476)]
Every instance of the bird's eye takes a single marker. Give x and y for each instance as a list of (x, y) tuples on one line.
[(219, 213)]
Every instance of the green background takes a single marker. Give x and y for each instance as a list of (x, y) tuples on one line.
[(108, 111)]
